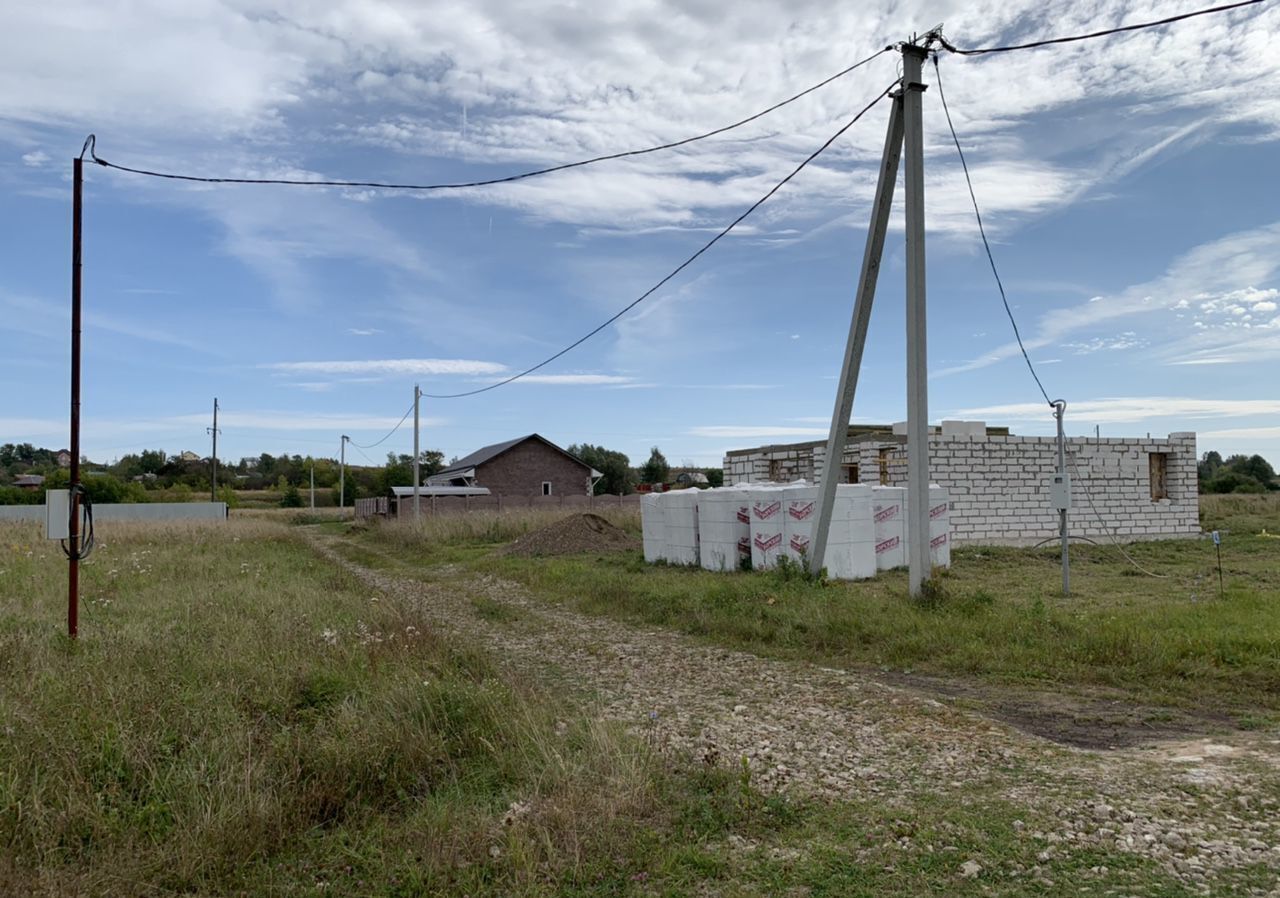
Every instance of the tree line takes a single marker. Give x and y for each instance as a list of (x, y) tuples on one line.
[(1235, 474)]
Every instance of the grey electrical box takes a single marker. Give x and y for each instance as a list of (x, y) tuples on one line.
[(1060, 492), (57, 514)]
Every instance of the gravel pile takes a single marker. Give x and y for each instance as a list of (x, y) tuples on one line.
[(579, 534)]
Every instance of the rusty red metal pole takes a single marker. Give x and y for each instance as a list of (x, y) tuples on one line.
[(73, 571)]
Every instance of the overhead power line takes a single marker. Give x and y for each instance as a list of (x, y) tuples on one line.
[(384, 439), (983, 231), (91, 144), (1104, 33), (679, 268)]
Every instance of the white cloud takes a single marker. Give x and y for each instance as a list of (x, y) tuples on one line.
[(363, 331), (35, 159), (390, 366), (576, 379)]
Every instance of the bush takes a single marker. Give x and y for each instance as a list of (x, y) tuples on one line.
[(1234, 482), (291, 497)]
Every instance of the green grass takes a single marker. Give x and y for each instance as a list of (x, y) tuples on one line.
[(240, 717), (998, 617)]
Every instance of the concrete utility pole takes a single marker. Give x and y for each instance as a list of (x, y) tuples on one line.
[(342, 477), (838, 435), (313, 484), (417, 397), (905, 132), (213, 459), (918, 555)]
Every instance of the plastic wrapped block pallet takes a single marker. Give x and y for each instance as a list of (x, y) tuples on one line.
[(939, 526), (653, 527), (724, 528), (680, 526), (887, 505), (851, 553), (766, 526)]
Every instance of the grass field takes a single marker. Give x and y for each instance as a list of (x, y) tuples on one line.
[(238, 718), (998, 617), (242, 717)]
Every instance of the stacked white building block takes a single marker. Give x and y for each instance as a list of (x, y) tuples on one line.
[(680, 524), (888, 504), (653, 527), (724, 528)]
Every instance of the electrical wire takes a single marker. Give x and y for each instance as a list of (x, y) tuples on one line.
[(679, 268), (85, 506), (91, 145), (982, 230), (1107, 530), (366, 458), (384, 439), (1105, 33)]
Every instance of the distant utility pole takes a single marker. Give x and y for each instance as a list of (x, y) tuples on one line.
[(417, 397), (313, 484), (342, 477), (213, 477), (905, 131)]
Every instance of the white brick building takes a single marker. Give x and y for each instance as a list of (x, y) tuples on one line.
[(1143, 488)]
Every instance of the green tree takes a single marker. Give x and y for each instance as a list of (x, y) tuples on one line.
[(715, 476), (656, 469), (291, 498), (618, 479)]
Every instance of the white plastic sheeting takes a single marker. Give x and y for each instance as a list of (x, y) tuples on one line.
[(724, 528), (720, 529), (766, 514), (888, 504), (680, 525), (653, 527), (939, 526)]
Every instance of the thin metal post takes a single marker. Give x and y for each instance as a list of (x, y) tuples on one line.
[(313, 484), (1059, 411), (73, 534), (417, 398), (881, 206), (918, 554), (342, 478)]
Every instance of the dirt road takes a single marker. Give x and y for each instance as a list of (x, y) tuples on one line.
[(1194, 806)]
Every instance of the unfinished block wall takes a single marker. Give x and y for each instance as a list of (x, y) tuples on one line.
[(999, 484)]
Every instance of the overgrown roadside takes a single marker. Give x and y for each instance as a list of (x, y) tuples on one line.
[(1034, 816)]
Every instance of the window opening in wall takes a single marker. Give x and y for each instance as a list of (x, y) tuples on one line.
[(850, 473), (884, 467), (775, 470), (1158, 463), (546, 487)]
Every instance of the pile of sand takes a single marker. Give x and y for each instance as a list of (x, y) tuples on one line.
[(578, 534)]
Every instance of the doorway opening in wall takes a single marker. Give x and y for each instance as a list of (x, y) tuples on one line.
[(850, 473), (884, 467), (1158, 464), (775, 470), (546, 487)]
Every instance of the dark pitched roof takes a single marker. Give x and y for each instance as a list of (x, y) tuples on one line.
[(489, 453)]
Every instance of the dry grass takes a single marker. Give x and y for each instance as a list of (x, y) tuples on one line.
[(491, 527), (240, 717)]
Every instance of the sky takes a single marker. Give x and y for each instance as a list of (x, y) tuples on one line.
[(1128, 185)]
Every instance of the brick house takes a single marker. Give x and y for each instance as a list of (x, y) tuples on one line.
[(526, 466)]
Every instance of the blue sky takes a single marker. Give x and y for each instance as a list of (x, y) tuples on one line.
[(1129, 186)]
